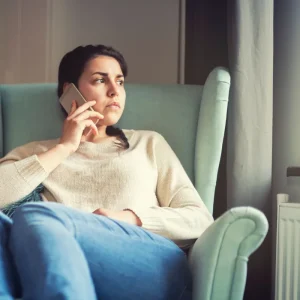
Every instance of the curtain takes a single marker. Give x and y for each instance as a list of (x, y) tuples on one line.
[(249, 144)]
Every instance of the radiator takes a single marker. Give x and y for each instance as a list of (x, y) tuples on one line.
[(287, 285)]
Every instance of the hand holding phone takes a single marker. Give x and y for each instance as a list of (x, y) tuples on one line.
[(70, 94), (80, 115)]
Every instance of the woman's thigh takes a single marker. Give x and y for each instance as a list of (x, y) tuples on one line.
[(9, 281), (126, 261)]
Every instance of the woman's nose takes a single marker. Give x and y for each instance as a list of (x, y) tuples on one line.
[(113, 90)]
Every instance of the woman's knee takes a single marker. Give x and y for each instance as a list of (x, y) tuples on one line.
[(40, 213)]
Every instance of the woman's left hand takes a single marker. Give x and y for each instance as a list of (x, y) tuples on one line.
[(123, 215)]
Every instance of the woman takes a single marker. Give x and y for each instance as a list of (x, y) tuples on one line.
[(125, 208)]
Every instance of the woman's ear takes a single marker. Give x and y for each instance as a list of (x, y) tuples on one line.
[(66, 84)]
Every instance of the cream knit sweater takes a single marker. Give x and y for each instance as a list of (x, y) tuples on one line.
[(146, 178)]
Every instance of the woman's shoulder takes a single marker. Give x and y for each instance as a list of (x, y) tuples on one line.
[(142, 134), (148, 138)]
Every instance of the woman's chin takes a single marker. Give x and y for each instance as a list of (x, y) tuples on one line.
[(107, 123)]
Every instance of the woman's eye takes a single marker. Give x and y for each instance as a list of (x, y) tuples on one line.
[(120, 82), (100, 80)]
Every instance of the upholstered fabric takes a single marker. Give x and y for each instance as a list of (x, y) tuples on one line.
[(219, 257)]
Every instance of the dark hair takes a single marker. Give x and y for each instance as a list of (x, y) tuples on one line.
[(72, 65)]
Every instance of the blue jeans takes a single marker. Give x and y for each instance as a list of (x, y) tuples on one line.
[(56, 252)]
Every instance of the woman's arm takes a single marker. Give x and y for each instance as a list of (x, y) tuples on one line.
[(182, 215), (21, 171), (53, 157), (24, 168)]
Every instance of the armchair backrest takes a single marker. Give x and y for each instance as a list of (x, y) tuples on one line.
[(192, 119)]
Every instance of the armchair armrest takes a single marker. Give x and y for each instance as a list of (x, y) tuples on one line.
[(218, 259)]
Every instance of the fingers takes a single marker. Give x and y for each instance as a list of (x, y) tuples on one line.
[(86, 115), (97, 211), (102, 212), (90, 123), (73, 107), (80, 109)]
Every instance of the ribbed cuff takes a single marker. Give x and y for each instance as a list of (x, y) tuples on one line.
[(31, 170)]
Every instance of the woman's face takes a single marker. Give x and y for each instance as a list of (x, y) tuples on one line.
[(102, 80)]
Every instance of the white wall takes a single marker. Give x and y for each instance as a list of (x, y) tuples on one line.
[(37, 33), (286, 133)]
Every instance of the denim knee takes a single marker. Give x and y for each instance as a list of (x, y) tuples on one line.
[(41, 213)]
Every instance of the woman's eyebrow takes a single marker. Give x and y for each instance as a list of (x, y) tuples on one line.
[(106, 74)]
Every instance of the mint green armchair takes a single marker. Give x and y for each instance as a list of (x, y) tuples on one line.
[(192, 119)]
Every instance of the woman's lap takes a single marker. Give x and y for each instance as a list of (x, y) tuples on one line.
[(124, 261)]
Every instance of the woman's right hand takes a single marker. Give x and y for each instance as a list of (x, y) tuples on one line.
[(76, 122)]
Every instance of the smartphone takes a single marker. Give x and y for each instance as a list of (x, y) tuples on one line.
[(70, 94)]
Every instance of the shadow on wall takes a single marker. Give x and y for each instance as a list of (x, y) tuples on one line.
[(206, 48)]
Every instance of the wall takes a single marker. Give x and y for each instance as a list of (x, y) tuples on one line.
[(35, 34), (286, 145)]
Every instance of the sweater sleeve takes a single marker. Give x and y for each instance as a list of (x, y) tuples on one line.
[(182, 216), (20, 173)]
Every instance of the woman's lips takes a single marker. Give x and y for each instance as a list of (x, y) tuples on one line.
[(114, 105)]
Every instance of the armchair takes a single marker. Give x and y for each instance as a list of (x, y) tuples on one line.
[(192, 118)]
